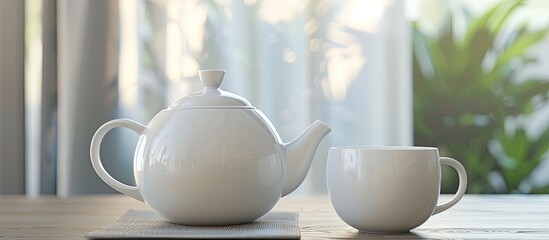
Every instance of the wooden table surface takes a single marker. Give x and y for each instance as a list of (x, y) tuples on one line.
[(476, 216)]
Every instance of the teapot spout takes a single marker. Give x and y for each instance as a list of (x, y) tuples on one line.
[(300, 153)]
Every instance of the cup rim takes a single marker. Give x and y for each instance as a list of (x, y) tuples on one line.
[(384, 148)]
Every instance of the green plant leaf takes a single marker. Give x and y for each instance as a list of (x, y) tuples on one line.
[(495, 15), (498, 19), (519, 96), (540, 146), (516, 49)]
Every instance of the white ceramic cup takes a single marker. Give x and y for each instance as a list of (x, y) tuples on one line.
[(388, 189)]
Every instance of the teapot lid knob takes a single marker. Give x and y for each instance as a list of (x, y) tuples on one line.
[(211, 97), (211, 78)]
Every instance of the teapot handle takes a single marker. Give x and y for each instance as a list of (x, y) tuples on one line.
[(131, 191)]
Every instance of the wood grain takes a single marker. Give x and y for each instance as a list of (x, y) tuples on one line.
[(476, 217)]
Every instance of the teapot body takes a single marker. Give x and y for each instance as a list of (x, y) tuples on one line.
[(210, 166), (212, 158)]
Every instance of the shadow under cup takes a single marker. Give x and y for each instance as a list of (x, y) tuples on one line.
[(385, 189)]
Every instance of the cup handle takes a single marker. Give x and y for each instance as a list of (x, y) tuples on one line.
[(131, 191), (462, 184)]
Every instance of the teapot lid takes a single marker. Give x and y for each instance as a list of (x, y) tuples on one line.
[(212, 96)]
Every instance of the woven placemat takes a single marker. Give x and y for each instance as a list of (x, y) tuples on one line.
[(147, 224)]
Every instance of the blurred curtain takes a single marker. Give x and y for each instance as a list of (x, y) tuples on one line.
[(344, 62), (40, 97), (12, 114), (88, 48)]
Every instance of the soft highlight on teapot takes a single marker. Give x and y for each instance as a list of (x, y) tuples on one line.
[(212, 158)]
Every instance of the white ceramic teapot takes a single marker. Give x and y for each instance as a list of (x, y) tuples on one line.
[(212, 158)]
